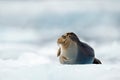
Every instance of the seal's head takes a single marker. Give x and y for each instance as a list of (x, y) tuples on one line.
[(67, 38)]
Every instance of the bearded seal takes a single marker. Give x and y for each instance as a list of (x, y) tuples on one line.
[(73, 51)]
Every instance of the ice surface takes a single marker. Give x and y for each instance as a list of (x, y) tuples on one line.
[(61, 72), (35, 63)]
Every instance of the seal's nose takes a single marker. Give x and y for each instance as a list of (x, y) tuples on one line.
[(58, 39)]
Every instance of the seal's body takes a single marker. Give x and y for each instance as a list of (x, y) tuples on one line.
[(69, 54), (73, 51)]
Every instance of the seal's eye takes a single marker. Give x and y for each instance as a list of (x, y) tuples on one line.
[(69, 35), (63, 36)]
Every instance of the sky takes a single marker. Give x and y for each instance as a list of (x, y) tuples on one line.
[(99, 19)]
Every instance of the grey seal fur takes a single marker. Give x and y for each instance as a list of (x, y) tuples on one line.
[(73, 51)]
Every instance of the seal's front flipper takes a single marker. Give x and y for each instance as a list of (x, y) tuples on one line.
[(59, 52)]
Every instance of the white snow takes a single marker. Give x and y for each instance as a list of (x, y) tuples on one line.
[(33, 63), (61, 72)]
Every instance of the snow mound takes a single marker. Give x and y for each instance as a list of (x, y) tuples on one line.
[(62, 72)]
